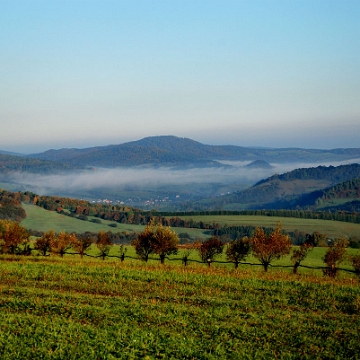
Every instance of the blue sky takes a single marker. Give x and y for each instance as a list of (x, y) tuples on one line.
[(250, 73)]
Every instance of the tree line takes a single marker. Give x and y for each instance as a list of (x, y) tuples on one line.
[(163, 241)]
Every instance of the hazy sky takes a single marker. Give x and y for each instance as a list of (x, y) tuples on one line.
[(251, 73)]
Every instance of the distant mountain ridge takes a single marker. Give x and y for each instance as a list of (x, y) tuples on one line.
[(172, 150)]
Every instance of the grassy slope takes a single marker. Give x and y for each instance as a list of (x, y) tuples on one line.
[(69, 308), (39, 219)]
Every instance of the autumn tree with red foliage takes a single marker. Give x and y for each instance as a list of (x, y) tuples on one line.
[(267, 248), (299, 255), (162, 241), (210, 248), (43, 243), (335, 255), (62, 242), (104, 243), (12, 235), (165, 242)]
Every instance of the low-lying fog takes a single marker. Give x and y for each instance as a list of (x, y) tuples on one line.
[(233, 173)]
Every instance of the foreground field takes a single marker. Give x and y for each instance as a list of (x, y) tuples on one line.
[(53, 308)]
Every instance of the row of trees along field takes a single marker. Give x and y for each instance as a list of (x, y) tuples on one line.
[(162, 241)]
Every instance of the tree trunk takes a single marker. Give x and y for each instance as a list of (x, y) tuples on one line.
[(162, 258), (295, 268)]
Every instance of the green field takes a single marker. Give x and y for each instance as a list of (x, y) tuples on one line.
[(53, 308), (329, 227)]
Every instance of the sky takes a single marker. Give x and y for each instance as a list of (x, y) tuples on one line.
[(250, 73)]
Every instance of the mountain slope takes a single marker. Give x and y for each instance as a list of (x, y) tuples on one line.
[(336, 197), (171, 150), (299, 187), (9, 163)]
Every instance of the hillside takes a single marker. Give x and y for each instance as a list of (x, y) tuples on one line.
[(298, 188), (171, 150), (342, 196), (10, 163)]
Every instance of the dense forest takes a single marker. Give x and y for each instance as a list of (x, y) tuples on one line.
[(335, 174)]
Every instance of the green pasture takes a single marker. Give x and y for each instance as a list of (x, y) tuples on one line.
[(329, 227), (72, 308), (40, 219)]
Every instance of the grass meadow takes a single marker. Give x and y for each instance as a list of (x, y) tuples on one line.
[(73, 308), (43, 220)]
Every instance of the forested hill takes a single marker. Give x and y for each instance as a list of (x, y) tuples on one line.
[(10, 163), (171, 150), (293, 189), (333, 174), (326, 199)]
